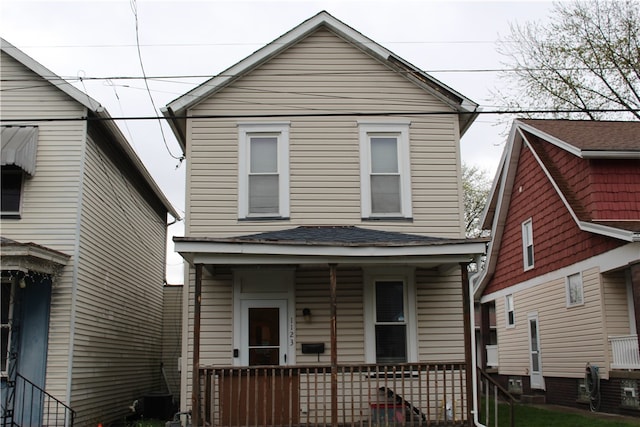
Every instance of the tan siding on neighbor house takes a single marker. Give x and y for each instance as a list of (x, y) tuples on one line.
[(171, 337), (50, 197), (317, 75), (117, 348), (615, 307), (569, 336)]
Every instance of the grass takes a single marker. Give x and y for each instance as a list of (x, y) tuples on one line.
[(533, 416)]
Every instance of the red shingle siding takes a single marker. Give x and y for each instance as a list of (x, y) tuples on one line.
[(615, 189), (558, 241)]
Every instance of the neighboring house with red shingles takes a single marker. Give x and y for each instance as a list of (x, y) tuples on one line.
[(563, 267)]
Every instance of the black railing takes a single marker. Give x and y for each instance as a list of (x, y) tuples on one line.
[(492, 399), (32, 406)]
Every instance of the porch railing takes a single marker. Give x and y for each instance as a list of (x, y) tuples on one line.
[(625, 352), (32, 406), (492, 356), (492, 398), (415, 394)]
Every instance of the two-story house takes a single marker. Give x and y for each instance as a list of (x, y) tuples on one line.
[(327, 262), (563, 266), (82, 255)]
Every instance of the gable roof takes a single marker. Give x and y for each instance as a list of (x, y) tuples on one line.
[(585, 139), (95, 109), (176, 110)]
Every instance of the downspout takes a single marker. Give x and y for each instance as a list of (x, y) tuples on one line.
[(474, 362)]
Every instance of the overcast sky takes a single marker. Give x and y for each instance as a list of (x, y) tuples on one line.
[(84, 40)]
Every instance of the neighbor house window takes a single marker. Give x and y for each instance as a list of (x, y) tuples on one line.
[(574, 290), (263, 154), (510, 311), (11, 191), (384, 170), (527, 244), (390, 319)]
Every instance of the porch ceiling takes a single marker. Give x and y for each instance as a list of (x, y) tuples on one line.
[(329, 244)]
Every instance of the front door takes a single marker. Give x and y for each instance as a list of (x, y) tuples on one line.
[(261, 395), (264, 332), (536, 378)]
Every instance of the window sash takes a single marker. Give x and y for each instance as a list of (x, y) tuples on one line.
[(575, 291), (390, 321), (527, 244), (11, 193), (510, 311)]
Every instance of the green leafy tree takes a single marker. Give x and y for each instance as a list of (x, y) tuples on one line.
[(586, 58)]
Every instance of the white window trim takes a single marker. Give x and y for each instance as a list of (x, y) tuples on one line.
[(245, 130), (506, 311), (527, 226), (568, 290), (373, 275), (401, 128)]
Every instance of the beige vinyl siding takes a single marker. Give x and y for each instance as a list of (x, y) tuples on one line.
[(49, 214), (172, 336), (322, 73), (440, 320), (616, 306), (569, 336), (119, 297), (312, 291)]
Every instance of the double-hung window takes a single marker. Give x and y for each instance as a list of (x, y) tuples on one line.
[(390, 319), (510, 311), (263, 180), (385, 177), (527, 244)]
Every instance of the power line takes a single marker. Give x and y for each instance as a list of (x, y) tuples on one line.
[(335, 114)]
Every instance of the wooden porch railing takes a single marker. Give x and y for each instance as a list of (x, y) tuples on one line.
[(417, 394)]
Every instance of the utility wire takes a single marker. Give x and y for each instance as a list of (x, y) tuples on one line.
[(134, 8), (336, 114)]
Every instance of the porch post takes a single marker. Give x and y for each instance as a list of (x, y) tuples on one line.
[(467, 313), (635, 290), (334, 346), (195, 375)]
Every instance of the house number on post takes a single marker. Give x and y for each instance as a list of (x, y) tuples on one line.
[(291, 331)]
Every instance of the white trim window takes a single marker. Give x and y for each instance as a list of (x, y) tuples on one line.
[(263, 170), (527, 244), (509, 311), (390, 332), (575, 292), (385, 177)]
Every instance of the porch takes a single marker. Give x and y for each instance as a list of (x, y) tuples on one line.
[(626, 354), (418, 394)]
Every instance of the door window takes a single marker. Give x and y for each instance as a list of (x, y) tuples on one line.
[(264, 336)]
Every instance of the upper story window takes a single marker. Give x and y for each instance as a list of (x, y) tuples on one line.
[(385, 177), (10, 204), (263, 180), (527, 244), (574, 290), (510, 311)]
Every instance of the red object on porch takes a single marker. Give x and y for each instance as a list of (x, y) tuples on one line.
[(385, 413)]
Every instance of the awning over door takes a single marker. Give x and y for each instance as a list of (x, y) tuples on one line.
[(19, 145)]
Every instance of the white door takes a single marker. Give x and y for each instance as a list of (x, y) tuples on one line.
[(263, 336), (537, 380)]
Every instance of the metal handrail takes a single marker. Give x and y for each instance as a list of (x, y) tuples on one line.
[(33, 404)]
